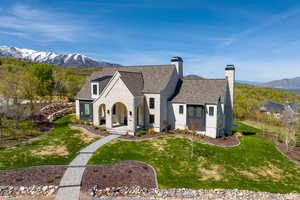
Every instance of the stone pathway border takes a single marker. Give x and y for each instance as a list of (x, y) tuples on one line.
[(69, 187)]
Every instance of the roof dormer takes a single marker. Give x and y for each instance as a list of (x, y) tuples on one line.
[(94, 89)]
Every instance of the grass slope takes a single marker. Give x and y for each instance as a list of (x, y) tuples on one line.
[(58, 147), (254, 165)]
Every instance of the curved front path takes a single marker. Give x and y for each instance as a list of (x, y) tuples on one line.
[(69, 187)]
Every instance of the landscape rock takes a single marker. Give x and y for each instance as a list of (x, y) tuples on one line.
[(34, 190), (183, 193)]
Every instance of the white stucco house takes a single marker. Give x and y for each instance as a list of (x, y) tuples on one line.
[(127, 99)]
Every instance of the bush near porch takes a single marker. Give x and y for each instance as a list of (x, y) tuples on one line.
[(181, 163), (58, 147)]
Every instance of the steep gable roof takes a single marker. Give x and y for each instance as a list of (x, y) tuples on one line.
[(155, 78), (134, 81), (200, 91)]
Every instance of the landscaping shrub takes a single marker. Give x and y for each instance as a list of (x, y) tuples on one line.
[(140, 133), (102, 129), (151, 131)]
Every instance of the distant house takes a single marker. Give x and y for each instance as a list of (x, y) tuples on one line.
[(130, 98), (273, 108)]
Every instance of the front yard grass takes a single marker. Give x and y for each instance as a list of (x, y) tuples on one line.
[(254, 165), (58, 147)]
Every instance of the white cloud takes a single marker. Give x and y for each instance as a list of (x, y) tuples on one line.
[(262, 24), (38, 24)]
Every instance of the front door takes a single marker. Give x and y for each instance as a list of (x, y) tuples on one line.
[(196, 117)]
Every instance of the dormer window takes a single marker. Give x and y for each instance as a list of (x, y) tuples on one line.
[(95, 89)]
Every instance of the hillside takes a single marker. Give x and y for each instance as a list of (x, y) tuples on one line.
[(248, 98), (71, 78), (295, 91)]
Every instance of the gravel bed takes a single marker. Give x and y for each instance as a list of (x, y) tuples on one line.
[(137, 192), (26, 191)]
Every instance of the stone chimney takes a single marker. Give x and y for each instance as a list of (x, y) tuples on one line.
[(177, 61), (230, 76)]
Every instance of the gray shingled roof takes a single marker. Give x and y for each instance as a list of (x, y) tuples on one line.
[(155, 78), (134, 81), (272, 107), (200, 91)]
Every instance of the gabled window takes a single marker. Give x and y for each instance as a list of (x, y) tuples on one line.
[(181, 109), (211, 111), (151, 103), (151, 119), (95, 89)]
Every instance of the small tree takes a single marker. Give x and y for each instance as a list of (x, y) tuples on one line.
[(289, 121), (10, 89), (44, 73), (29, 90)]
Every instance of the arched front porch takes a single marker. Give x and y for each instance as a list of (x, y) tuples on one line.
[(119, 115)]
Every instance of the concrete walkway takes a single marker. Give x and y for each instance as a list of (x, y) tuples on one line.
[(69, 187)]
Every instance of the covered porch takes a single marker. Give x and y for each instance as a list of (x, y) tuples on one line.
[(121, 117)]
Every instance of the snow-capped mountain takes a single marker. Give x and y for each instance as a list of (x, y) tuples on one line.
[(66, 60)]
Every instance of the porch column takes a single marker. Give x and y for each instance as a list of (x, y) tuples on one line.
[(108, 116)]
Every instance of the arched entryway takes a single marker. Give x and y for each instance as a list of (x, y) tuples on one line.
[(102, 114), (119, 115)]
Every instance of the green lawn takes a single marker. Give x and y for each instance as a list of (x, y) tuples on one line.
[(58, 147), (254, 165), (245, 129)]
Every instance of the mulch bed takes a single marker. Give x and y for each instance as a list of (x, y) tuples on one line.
[(92, 130), (41, 175), (146, 136), (128, 173), (292, 153), (226, 142)]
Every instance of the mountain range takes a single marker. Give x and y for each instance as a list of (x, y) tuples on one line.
[(285, 84), (66, 60), (289, 84)]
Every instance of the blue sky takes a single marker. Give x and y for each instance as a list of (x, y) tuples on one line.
[(260, 37)]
